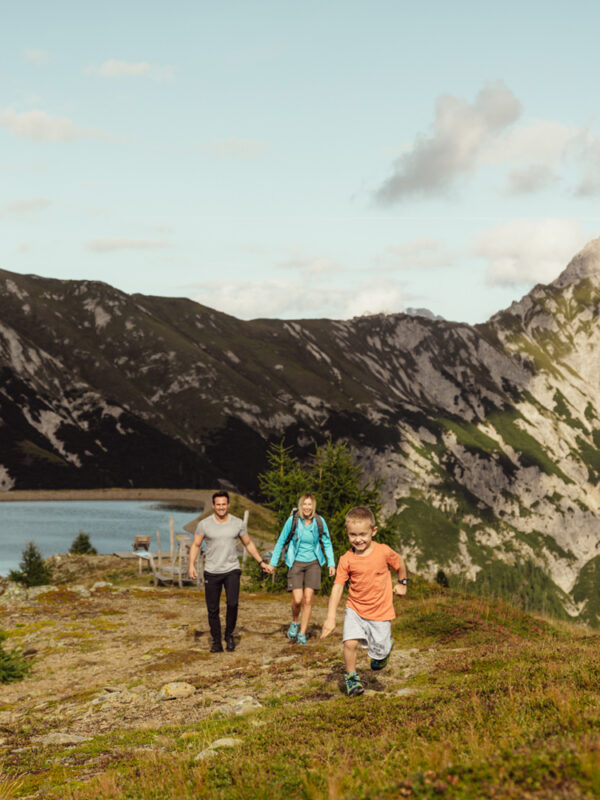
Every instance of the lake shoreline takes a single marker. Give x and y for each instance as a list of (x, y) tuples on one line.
[(193, 498)]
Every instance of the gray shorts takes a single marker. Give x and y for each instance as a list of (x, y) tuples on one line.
[(304, 575), (374, 635)]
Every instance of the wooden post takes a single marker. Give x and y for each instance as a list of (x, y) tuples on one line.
[(172, 540), (245, 525), (159, 549)]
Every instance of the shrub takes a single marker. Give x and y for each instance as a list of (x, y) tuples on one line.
[(13, 666), (33, 571), (82, 546)]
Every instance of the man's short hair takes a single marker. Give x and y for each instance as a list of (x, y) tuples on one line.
[(220, 493), (361, 514), (302, 498)]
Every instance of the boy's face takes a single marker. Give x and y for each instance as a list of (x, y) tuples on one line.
[(360, 534)]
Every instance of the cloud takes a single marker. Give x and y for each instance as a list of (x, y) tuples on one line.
[(461, 131), (236, 148), (109, 245), (36, 56), (531, 179), (424, 253), (528, 251), (41, 127), (119, 69), (26, 206), (310, 267), (298, 299)]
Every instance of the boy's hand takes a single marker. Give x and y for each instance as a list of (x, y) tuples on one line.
[(328, 627), (400, 589)]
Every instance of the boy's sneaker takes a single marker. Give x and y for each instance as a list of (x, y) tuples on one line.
[(379, 663), (293, 631), (301, 638), (353, 685)]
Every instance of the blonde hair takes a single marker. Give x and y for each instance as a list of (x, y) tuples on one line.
[(361, 514), (304, 497)]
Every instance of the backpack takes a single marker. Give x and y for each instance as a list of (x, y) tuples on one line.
[(290, 536)]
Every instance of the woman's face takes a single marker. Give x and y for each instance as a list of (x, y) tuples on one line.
[(307, 508)]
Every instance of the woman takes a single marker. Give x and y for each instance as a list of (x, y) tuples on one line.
[(304, 536)]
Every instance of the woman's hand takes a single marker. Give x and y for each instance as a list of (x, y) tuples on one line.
[(331, 572)]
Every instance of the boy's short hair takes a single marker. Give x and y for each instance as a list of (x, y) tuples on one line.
[(307, 496), (361, 514), (220, 493)]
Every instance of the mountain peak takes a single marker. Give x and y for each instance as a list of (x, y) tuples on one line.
[(586, 264)]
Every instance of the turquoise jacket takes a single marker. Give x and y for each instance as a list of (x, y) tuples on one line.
[(290, 556)]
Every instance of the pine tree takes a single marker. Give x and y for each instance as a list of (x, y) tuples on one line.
[(82, 546), (338, 484), (33, 571), (13, 666)]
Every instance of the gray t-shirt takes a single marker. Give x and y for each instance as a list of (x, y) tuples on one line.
[(221, 540)]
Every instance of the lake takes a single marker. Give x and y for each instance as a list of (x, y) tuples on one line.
[(111, 525)]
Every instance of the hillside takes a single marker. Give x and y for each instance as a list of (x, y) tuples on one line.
[(486, 438), (478, 700)]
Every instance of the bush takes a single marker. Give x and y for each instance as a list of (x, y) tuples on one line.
[(33, 571), (13, 666), (82, 546)]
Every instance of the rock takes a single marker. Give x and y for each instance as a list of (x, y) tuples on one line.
[(211, 750), (59, 738), (82, 591), (171, 691), (245, 705), (101, 585)]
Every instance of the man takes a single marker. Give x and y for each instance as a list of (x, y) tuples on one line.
[(221, 566)]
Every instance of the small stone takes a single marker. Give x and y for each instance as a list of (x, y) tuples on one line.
[(245, 705), (59, 738), (228, 742), (171, 691)]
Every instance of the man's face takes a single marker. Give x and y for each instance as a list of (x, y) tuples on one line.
[(360, 533), (221, 507)]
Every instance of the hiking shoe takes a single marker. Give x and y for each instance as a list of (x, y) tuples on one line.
[(301, 638), (293, 631), (353, 685), (379, 663)]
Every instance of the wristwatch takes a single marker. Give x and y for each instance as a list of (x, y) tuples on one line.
[(403, 581)]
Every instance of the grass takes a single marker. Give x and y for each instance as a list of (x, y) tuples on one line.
[(507, 707)]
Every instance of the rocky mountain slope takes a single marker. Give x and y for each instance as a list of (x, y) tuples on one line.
[(486, 437)]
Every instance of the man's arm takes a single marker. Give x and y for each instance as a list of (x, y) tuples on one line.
[(334, 601), (194, 550), (253, 551)]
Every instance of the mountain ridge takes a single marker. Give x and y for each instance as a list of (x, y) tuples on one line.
[(486, 438)]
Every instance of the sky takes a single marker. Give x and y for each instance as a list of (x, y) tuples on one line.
[(270, 158)]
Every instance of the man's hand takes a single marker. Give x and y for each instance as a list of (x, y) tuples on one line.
[(400, 589), (268, 568), (331, 572), (328, 627), (193, 574)]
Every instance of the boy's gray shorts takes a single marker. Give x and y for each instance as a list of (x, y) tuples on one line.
[(374, 635)]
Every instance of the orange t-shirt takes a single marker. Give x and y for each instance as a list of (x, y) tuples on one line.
[(370, 591)]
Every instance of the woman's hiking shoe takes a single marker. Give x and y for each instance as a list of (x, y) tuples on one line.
[(301, 638), (293, 631), (353, 685), (379, 663)]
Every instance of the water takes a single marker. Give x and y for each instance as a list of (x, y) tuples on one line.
[(111, 525)]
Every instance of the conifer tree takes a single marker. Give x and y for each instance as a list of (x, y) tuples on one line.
[(13, 666), (33, 571), (82, 546)]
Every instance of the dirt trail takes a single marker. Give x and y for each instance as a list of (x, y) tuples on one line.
[(100, 660)]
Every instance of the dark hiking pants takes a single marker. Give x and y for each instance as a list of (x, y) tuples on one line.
[(213, 583)]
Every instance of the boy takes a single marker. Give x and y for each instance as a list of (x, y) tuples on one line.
[(370, 607)]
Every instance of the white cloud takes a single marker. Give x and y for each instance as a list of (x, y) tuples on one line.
[(528, 251), (109, 245), (532, 178), (298, 299), (310, 267), (26, 206), (38, 126), (424, 253), (119, 69), (461, 131), (36, 56), (236, 148)]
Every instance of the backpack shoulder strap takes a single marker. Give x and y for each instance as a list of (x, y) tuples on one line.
[(290, 535)]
